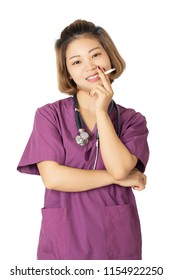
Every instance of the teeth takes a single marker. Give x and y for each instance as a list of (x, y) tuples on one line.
[(92, 77)]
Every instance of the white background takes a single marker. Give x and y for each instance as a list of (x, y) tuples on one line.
[(142, 31)]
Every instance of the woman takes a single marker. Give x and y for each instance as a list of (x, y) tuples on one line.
[(88, 158)]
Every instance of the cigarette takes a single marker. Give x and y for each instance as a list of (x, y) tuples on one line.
[(109, 71)]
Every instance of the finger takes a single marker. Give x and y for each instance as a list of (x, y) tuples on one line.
[(99, 90), (138, 188), (105, 80), (145, 179)]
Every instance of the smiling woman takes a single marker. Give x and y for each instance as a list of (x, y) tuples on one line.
[(83, 55), (90, 210), (103, 42)]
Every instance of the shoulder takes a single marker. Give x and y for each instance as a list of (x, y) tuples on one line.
[(57, 105), (133, 119), (52, 110), (128, 114)]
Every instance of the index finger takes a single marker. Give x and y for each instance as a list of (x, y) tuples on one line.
[(105, 79)]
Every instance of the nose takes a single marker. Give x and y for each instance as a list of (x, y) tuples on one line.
[(89, 65)]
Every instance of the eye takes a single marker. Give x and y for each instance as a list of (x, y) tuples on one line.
[(96, 54), (76, 62)]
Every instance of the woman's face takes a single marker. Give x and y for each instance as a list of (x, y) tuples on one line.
[(83, 55)]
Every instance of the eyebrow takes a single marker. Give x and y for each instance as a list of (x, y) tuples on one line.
[(74, 56)]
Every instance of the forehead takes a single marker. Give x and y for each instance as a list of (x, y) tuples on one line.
[(80, 46)]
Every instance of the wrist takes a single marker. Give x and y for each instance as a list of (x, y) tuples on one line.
[(100, 113)]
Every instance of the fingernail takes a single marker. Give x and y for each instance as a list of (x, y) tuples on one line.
[(98, 67)]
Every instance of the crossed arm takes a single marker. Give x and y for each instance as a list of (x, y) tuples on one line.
[(114, 154), (67, 179)]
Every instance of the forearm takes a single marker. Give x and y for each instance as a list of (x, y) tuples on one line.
[(116, 157), (67, 179)]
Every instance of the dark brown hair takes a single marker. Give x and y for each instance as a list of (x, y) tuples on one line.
[(83, 28)]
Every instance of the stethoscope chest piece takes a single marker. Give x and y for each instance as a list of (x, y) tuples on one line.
[(82, 138)]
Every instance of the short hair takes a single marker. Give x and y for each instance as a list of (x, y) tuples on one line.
[(79, 29)]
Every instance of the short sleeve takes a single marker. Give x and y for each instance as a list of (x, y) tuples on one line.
[(45, 142), (134, 136)]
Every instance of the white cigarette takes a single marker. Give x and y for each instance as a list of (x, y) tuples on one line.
[(109, 71)]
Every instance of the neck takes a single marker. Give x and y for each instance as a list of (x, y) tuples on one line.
[(85, 101)]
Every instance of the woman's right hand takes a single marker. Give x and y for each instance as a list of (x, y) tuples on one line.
[(136, 179)]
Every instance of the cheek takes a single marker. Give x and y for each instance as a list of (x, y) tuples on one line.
[(108, 64), (73, 77), (69, 70), (107, 61), (74, 74)]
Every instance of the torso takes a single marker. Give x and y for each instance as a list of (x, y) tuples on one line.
[(82, 224)]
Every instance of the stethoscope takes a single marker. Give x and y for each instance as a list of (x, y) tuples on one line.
[(82, 138)]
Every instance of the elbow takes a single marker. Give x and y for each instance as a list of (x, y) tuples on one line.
[(119, 174), (50, 184), (54, 185), (122, 171)]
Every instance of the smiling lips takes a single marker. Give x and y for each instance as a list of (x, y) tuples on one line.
[(96, 76), (93, 77)]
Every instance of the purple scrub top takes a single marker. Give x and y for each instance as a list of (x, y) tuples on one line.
[(97, 224)]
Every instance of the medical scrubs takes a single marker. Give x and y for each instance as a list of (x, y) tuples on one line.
[(102, 223)]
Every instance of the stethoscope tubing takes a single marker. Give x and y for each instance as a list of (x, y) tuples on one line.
[(80, 123)]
